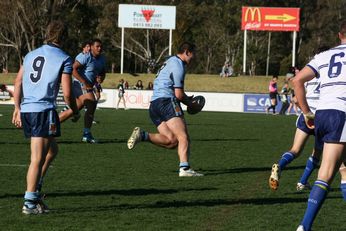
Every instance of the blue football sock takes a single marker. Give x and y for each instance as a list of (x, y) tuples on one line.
[(317, 195), (311, 164), (343, 189), (286, 158), (30, 198)]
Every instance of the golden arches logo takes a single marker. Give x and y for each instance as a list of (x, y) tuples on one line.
[(253, 12)]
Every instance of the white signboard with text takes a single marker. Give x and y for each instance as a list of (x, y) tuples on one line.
[(146, 16)]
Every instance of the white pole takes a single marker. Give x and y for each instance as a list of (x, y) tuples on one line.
[(244, 53), (294, 49), (122, 51), (170, 42), (268, 53)]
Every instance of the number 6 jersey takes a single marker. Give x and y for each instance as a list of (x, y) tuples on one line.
[(330, 67), (43, 68)]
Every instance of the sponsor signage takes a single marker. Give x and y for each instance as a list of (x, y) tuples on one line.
[(146, 16), (270, 18), (257, 103)]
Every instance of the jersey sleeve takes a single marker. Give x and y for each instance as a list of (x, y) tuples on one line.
[(313, 64), (82, 59), (67, 68), (178, 75)]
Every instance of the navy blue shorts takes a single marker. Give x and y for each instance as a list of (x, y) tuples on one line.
[(164, 109), (41, 124), (300, 123), (330, 126)]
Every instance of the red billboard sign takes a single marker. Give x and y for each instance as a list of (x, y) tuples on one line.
[(270, 18)]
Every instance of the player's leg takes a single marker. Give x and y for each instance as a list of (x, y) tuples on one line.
[(52, 153), (299, 141), (39, 147), (311, 164), (178, 127), (332, 157), (342, 171), (89, 102)]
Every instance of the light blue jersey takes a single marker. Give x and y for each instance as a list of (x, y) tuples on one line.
[(42, 76), (170, 76), (91, 66)]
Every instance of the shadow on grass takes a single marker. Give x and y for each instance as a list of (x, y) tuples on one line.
[(184, 204), (100, 141), (226, 140), (245, 169), (123, 192)]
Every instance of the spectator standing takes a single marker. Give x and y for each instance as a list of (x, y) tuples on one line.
[(121, 93), (284, 98)]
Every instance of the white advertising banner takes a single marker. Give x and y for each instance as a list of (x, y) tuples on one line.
[(146, 16), (140, 99)]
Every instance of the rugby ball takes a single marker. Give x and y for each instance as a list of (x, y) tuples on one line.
[(196, 105)]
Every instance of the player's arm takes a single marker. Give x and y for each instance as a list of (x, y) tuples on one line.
[(298, 82), (76, 66), (17, 97), (66, 84), (299, 89), (182, 97)]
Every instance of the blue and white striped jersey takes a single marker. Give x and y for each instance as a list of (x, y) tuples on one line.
[(312, 89), (170, 76), (42, 76), (330, 67)]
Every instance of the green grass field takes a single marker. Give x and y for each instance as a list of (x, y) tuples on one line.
[(108, 187)]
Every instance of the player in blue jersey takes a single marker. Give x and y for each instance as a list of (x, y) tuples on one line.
[(329, 119), (86, 68), (165, 110), (36, 88)]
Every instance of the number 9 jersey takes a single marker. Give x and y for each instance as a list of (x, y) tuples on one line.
[(330, 67), (43, 68)]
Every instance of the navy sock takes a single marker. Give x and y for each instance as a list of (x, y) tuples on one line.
[(317, 195), (144, 136), (286, 158), (311, 164), (343, 189), (86, 130)]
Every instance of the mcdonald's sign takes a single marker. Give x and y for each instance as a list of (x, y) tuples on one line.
[(270, 18)]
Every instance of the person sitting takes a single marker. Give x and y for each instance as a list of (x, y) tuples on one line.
[(150, 86), (139, 85)]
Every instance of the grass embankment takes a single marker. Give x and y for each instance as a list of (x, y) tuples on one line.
[(193, 82)]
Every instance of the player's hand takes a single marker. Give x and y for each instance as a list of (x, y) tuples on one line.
[(309, 120), (75, 117), (16, 120)]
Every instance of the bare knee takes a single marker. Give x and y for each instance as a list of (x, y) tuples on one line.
[(172, 142)]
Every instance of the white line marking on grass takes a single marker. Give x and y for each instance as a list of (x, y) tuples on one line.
[(13, 165)]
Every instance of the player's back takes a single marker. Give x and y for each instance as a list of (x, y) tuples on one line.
[(331, 68), (170, 76), (42, 71)]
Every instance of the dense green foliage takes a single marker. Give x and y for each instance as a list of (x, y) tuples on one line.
[(108, 187), (214, 25)]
